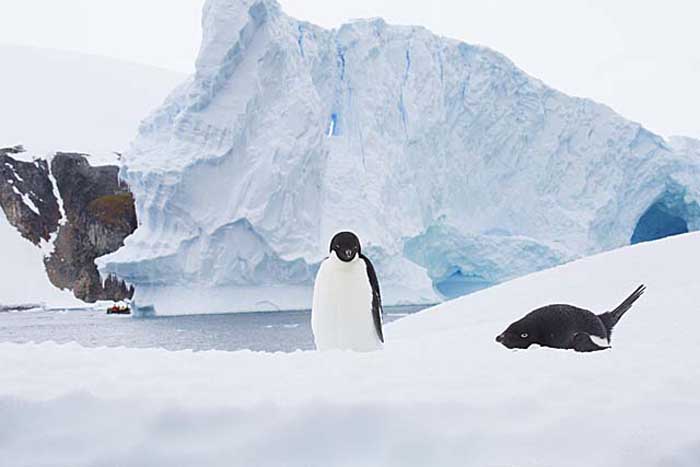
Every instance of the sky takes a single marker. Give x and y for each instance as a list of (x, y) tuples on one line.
[(640, 58)]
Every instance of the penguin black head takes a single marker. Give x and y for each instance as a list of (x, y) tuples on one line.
[(519, 335), (346, 246)]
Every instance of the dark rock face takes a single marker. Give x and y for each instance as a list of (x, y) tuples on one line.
[(28, 180), (99, 211), (100, 214)]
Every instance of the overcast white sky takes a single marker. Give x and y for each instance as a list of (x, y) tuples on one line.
[(641, 58)]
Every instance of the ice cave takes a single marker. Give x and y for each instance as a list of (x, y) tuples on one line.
[(666, 217)]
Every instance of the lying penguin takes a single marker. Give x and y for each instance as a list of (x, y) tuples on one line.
[(347, 306), (566, 327)]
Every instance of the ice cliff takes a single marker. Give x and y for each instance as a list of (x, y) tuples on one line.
[(456, 169)]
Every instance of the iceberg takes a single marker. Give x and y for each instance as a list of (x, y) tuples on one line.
[(456, 169)]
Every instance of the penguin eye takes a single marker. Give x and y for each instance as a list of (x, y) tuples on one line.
[(524, 335)]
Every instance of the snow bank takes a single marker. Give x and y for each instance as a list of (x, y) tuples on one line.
[(457, 169), (443, 392)]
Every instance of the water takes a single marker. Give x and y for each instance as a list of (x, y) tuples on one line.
[(284, 331)]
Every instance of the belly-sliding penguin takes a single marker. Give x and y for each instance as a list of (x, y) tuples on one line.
[(566, 327), (347, 305)]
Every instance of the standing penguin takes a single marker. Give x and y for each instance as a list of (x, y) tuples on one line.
[(347, 305)]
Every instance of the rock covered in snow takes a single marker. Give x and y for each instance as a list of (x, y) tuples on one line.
[(456, 169)]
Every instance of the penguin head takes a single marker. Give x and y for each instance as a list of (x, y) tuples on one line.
[(518, 335), (346, 246)]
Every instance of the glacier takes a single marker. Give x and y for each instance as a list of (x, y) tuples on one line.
[(456, 169)]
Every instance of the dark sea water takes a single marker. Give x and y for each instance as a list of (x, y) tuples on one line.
[(284, 331)]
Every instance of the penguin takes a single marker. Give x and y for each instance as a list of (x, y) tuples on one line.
[(566, 327), (347, 305)]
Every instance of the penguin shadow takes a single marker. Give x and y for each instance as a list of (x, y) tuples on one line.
[(566, 327)]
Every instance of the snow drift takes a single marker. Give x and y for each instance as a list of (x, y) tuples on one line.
[(442, 392), (456, 169)]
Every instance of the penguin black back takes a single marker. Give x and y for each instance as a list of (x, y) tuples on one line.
[(566, 327)]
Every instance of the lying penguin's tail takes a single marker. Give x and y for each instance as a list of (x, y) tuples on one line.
[(611, 318)]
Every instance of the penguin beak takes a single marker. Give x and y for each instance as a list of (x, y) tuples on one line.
[(348, 254), (499, 338)]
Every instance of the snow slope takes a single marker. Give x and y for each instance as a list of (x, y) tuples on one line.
[(442, 392), (456, 169), (65, 101), (23, 279)]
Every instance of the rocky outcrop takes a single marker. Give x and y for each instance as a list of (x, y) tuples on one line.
[(91, 218), (100, 214), (27, 197)]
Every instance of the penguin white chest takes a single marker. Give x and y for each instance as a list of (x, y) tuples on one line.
[(341, 317)]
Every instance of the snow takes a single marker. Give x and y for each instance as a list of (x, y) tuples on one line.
[(457, 170), (57, 195), (23, 278), (65, 101), (26, 200), (442, 392), (14, 173)]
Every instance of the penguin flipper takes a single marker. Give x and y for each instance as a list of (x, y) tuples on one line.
[(377, 309), (582, 342)]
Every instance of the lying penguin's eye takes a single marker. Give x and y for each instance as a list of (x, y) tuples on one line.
[(524, 335)]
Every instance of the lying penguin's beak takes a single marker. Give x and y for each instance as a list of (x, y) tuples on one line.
[(499, 338)]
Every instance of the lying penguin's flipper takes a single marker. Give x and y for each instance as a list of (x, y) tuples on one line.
[(611, 318), (583, 342)]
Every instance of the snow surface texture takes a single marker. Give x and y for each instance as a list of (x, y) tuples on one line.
[(64, 101), (456, 169), (442, 392)]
